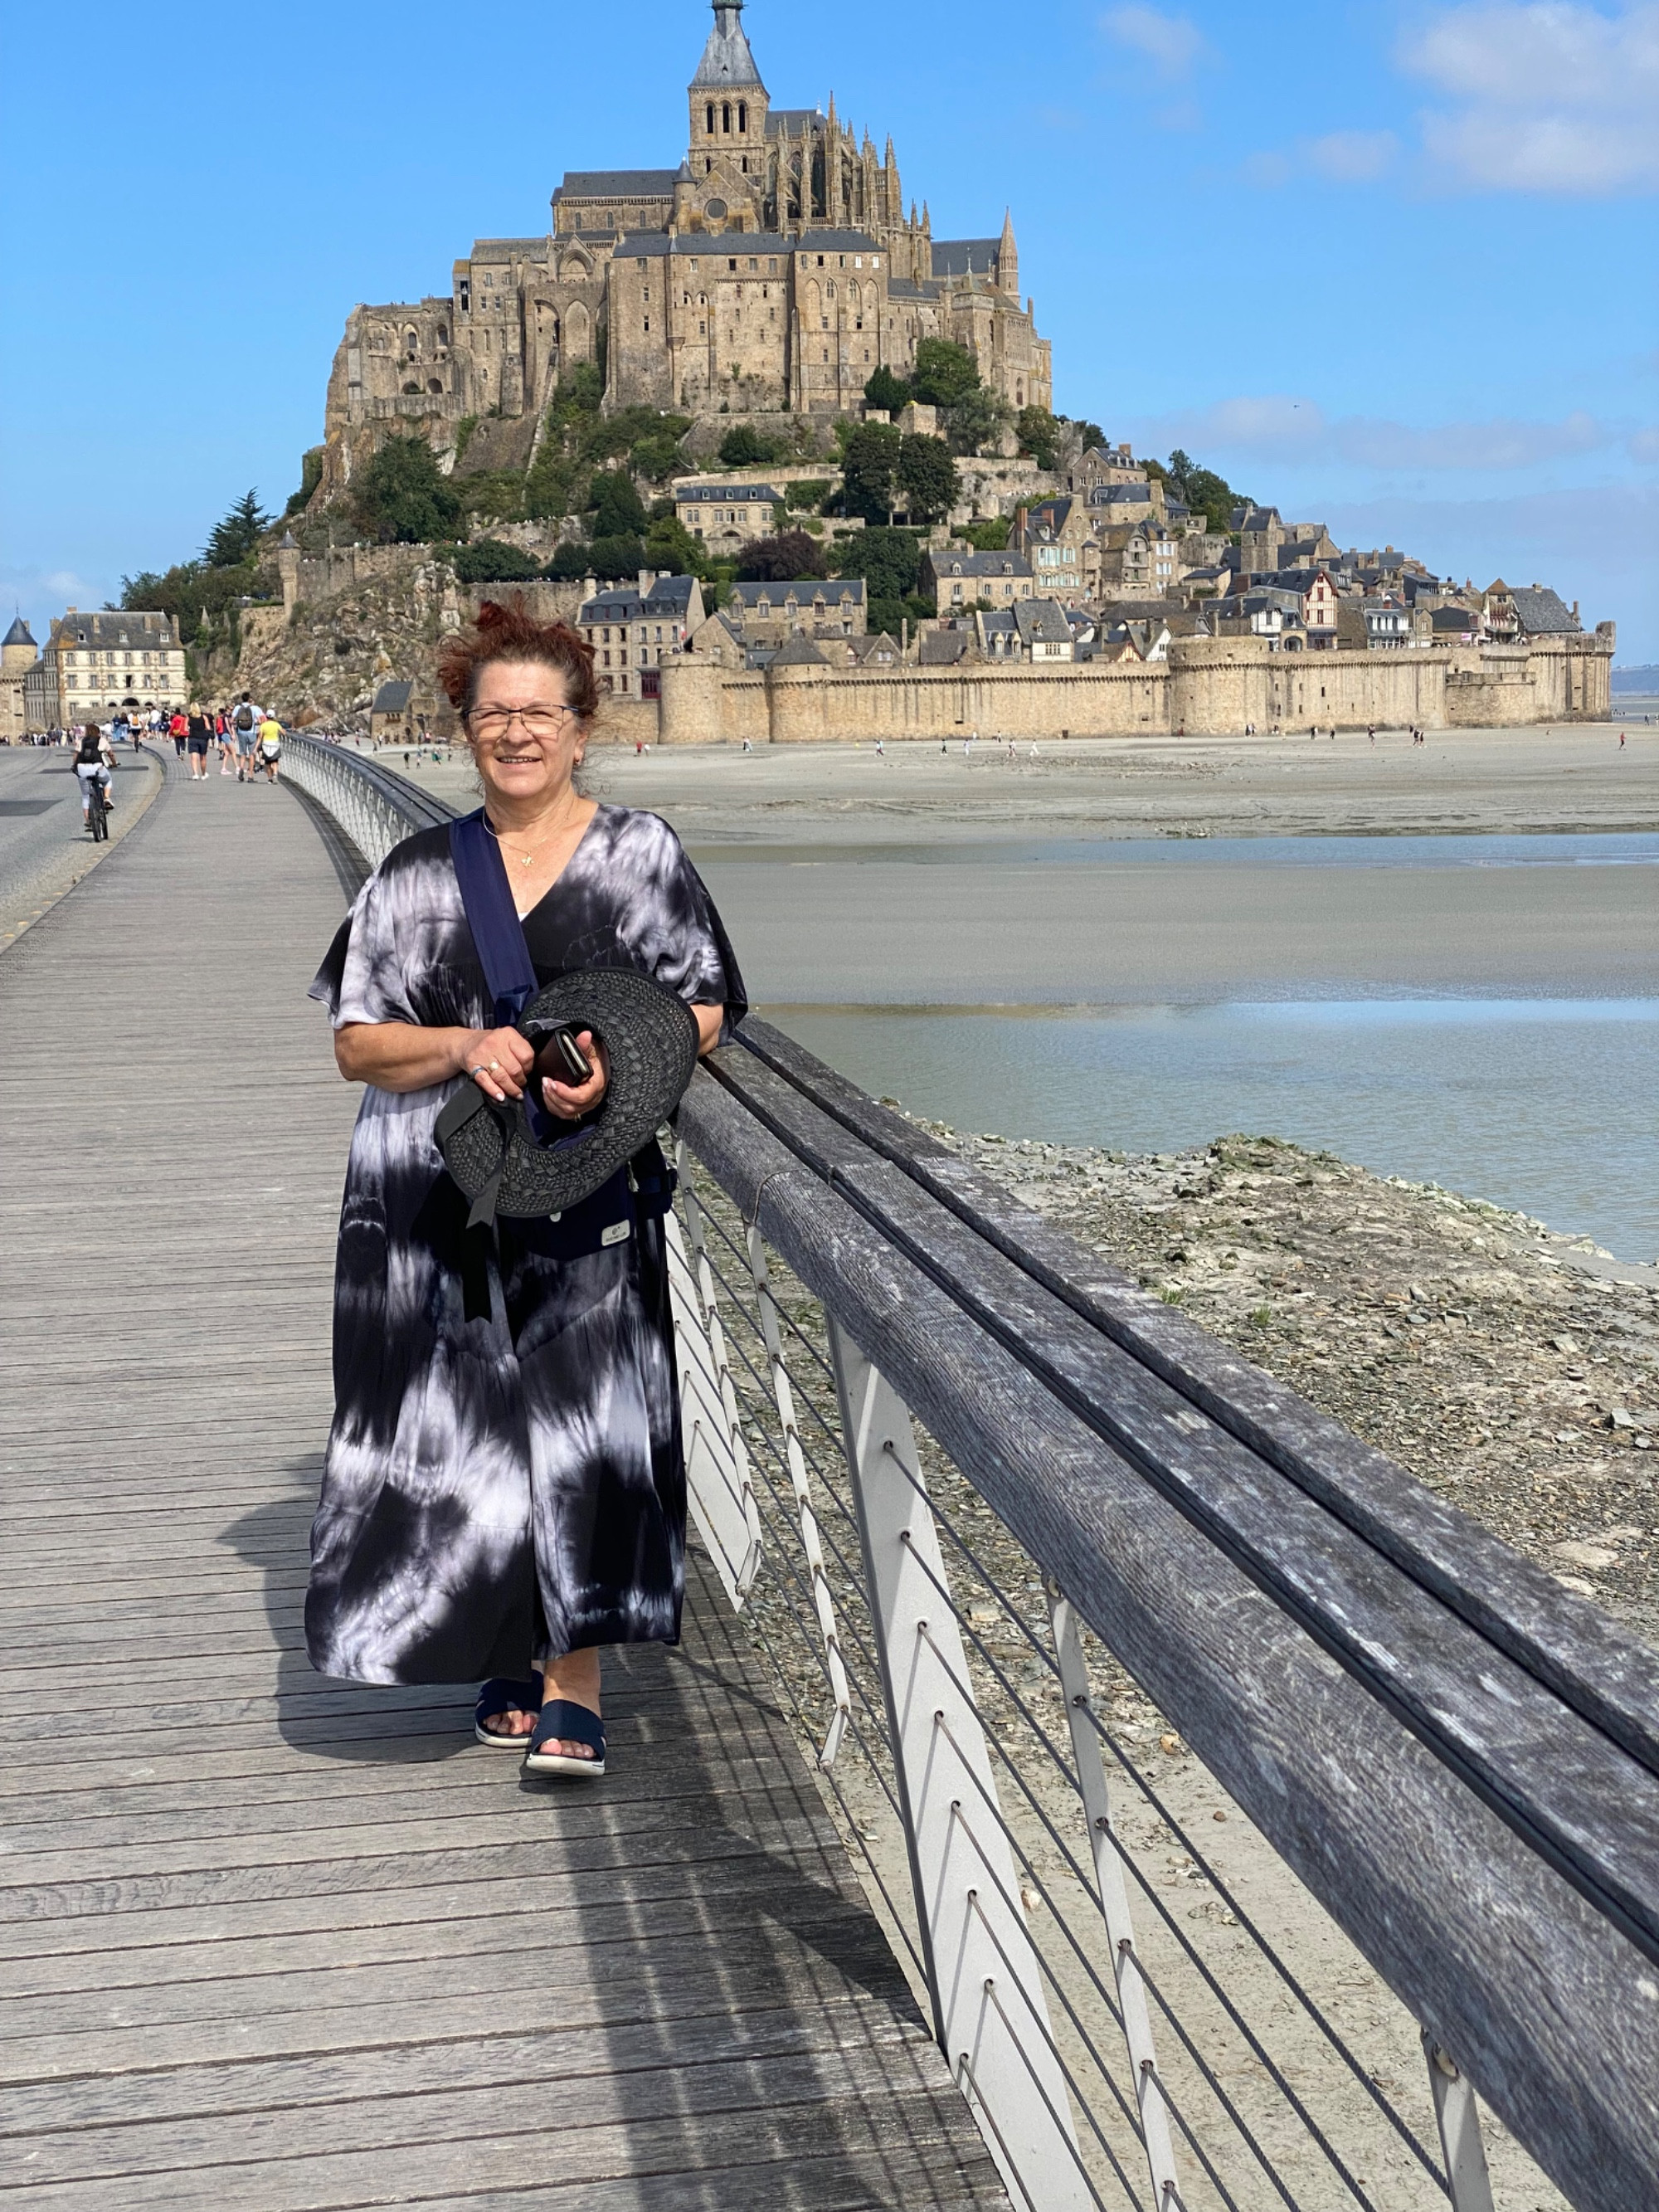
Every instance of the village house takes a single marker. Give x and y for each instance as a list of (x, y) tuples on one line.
[(725, 517), (634, 628), (954, 578), (768, 614)]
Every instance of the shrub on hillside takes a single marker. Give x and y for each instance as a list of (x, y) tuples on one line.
[(401, 499), (487, 560)]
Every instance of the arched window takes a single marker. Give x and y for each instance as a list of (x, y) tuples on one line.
[(711, 119), (743, 117), (411, 341), (725, 116), (433, 384)]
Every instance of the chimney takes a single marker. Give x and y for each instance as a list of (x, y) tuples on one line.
[(647, 582)]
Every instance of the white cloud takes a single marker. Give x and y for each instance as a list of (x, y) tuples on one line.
[(1281, 427), (1351, 157), (1548, 95), (1172, 43)]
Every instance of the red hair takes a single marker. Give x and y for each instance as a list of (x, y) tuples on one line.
[(512, 633)]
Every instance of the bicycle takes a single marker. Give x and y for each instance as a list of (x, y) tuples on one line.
[(97, 811)]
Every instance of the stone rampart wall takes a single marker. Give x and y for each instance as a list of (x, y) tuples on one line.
[(1210, 687)]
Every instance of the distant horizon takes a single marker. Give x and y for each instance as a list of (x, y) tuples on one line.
[(1336, 271)]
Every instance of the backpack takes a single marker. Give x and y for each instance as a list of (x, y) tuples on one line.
[(245, 717)]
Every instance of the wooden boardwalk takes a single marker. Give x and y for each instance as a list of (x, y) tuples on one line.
[(271, 1942)]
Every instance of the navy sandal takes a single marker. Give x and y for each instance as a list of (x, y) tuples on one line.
[(563, 1723), (501, 1696)]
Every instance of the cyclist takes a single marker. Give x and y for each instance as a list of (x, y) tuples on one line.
[(95, 761)]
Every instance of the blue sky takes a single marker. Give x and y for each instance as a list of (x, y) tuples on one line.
[(1393, 269)]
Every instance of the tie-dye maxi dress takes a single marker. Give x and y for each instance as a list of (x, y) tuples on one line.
[(498, 1490)]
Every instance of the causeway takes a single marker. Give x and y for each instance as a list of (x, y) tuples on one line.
[(292, 1945)]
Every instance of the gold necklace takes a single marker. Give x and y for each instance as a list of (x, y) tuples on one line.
[(524, 859)]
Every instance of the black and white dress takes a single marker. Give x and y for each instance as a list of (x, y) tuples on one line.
[(510, 1487)]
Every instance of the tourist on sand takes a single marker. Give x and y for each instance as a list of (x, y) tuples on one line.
[(94, 762), (270, 746), (245, 720), (504, 1490), (195, 742)]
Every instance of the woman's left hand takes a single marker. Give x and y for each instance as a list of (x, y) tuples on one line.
[(570, 1101)]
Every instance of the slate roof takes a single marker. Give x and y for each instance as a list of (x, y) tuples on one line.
[(720, 495), (668, 600), (798, 653), (976, 564), (726, 60), (392, 698), (795, 120), (617, 185), (18, 634), (837, 241), (1541, 613), (965, 256), (732, 244), (1041, 621), (114, 629), (1258, 518), (805, 591), (507, 249), (943, 648)]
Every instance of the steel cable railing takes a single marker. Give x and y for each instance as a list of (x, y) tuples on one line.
[(1001, 1858)]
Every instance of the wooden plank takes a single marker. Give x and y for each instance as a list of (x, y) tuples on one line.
[(276, 1941)]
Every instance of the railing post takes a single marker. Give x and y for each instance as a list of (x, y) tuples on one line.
[(990, 2014), (784, 1395), (1458, 2114), (716, 1480), (1093, 1788), (730, 1428)]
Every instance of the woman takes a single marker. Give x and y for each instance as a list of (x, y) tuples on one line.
[(504, 1490), (271, 744), (198, 731)]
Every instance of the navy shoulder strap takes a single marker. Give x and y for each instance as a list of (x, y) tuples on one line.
[(497, 932)]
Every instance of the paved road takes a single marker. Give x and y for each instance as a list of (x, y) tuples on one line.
[(43, 847)]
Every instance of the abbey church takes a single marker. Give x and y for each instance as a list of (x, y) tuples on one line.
[(775, 269)]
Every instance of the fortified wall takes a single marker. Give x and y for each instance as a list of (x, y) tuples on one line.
[(1209, 686)]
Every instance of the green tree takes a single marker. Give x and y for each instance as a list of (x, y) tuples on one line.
[(1214, 498), (781, 560), (977, 420), (311, 475), (927, 479), (613, 558), (890, 561), (570, 564), (401, 499), (945, 373), (743, 447), (581, 391), (1179, 473), (870, 484), (619, 510), (234, 540), (1087, 433), (888, 390), (498, 495), (990, 536), (657, 455), (1039, 434), (669, 544), (487, 560), (189, 589)]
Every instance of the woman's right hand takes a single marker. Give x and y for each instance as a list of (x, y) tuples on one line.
[(498, 1060)]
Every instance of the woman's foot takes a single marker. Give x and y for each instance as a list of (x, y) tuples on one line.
[(575, 1677)]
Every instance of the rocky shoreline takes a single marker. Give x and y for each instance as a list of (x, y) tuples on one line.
[(1465, 1340)]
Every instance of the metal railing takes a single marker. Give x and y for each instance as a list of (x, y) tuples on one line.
[(375, 808), (1207, 1772)]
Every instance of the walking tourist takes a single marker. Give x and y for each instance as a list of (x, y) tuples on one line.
[(199, 736), (224, 737), (504, 1490), (179, 731), (271, 744), (195, 742), (245, 720)]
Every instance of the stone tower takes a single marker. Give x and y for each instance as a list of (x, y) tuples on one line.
[(17, 648), (17, 657), (287, 569), (729, 104)]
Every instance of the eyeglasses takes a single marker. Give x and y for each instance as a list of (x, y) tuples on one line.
[(490, 725)]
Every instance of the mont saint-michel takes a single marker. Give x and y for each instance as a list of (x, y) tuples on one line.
[(776, 267)]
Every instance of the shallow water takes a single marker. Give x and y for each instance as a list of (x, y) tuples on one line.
[(1547, 1105), (1586, 848)]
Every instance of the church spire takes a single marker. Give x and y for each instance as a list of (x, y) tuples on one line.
[(1008, 257), (726, 60)]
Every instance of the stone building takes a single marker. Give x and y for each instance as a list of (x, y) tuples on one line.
[(96, 664), (18, 654), (776, 267), (634, 628)]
